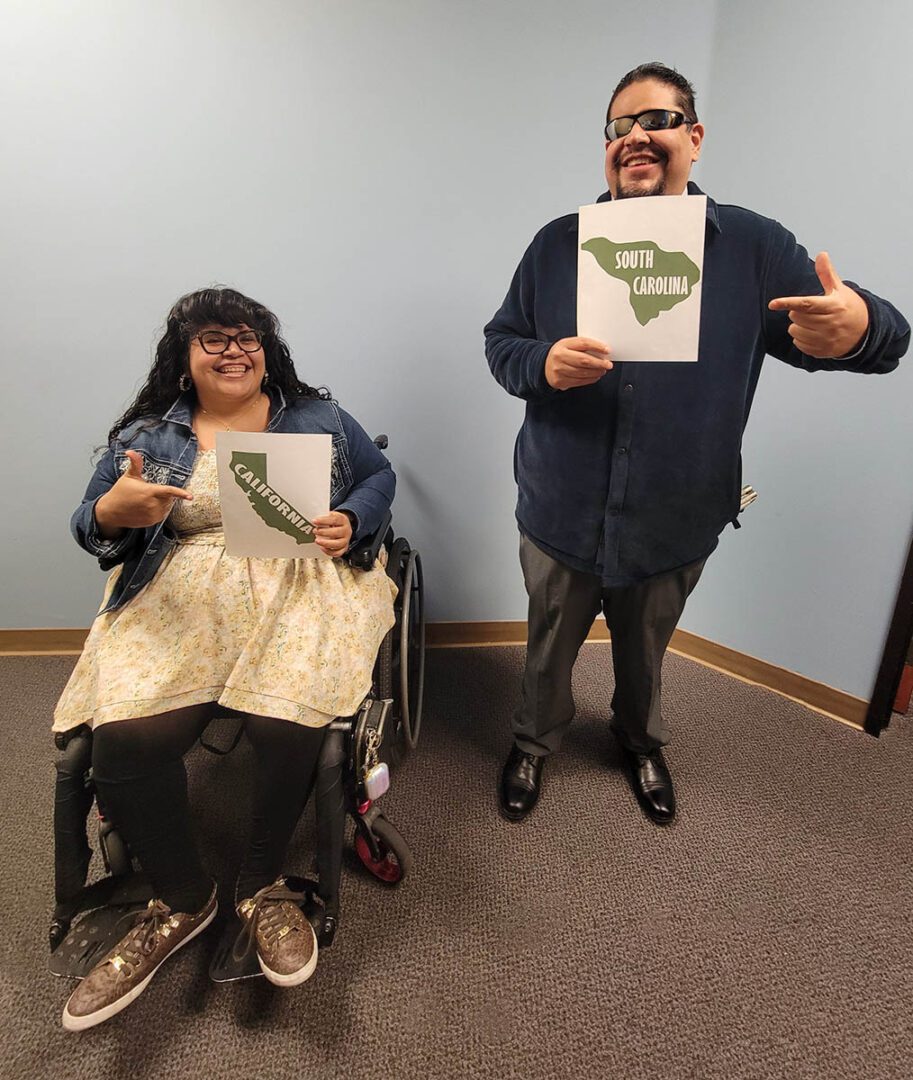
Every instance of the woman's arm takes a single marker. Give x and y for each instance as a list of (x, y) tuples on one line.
[(86, 529), (118, 507), (373, 481)]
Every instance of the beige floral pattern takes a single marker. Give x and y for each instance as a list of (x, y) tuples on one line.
[(290, 638)]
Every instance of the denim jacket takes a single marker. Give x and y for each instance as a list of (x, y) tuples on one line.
[(361, 481)]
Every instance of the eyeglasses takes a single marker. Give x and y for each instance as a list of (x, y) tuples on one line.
[(215, 342), (651, 120)]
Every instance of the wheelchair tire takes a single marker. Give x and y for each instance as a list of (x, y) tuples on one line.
[(114, 853), (384, 675), (395, 860), (384, 668), (412, 649)]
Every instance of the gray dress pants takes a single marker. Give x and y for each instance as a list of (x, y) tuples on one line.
[(562, 606)]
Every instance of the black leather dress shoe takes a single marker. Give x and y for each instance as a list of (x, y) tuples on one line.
[(521, 780), (652, 784)]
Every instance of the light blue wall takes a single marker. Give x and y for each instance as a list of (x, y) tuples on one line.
[(807, 104), (373, 171)]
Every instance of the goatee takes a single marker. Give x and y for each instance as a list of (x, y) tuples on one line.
[(659, 188)]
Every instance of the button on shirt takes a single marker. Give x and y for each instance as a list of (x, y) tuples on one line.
[(639, 473)]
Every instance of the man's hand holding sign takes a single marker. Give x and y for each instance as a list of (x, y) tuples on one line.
[(576, 361), (826, 326)]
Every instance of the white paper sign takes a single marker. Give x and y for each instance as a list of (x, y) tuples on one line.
[(639, 269), (272, 486)]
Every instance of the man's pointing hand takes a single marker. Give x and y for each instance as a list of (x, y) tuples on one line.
[(826, 326)]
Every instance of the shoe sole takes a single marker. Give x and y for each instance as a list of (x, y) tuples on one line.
[(514, 818), (295, 978), (81, 1023)]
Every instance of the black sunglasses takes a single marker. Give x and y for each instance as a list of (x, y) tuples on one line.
[(651, 120)]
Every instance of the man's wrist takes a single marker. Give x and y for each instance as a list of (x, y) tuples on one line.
[(865, 313), (860, 347)]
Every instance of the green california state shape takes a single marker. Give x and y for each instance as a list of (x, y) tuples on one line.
[(653, 289), (249, 471)]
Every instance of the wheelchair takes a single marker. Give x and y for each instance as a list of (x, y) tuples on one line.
[(352, 774)]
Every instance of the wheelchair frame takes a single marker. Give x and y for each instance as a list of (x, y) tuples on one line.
[(395, 701)]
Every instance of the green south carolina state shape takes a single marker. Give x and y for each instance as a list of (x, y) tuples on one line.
[(657, 280)]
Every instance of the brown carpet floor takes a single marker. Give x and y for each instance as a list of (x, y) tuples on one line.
[(765, 934)]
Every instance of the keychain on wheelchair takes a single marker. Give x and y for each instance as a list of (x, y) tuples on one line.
[(376, 777)]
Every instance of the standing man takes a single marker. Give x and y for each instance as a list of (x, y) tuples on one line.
[(628, 473)]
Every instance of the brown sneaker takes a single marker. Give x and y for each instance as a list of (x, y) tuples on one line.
[(128, 968), (285, 940)]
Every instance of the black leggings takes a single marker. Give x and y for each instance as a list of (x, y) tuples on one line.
[(141, 781)]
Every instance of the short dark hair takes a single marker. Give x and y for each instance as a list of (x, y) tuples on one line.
[(660, 73)]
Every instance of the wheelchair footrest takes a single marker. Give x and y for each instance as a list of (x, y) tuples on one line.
[(100, 929), (226, 967)]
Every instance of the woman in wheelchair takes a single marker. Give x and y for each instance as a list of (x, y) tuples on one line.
[(185, 629)]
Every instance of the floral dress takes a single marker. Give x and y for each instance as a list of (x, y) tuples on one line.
[(294, 639)]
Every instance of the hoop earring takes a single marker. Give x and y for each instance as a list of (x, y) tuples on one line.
[(185, 382)]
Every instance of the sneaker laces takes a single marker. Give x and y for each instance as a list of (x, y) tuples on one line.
[(140, 941), (263, 911)]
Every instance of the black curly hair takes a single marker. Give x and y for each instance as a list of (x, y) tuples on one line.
[(221, 306)]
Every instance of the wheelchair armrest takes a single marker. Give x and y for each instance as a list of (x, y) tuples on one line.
[(364, 554)]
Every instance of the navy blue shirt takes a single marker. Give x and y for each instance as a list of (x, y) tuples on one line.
[(639, 473)]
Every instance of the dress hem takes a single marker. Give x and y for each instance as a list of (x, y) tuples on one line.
[(243, 701)]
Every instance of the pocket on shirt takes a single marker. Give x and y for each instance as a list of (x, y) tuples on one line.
[(155, 470)]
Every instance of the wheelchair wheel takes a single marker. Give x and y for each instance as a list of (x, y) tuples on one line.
[(393, 860), (114, 851), (385, 675), (399, 673), (412, 649), (384, 667)]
